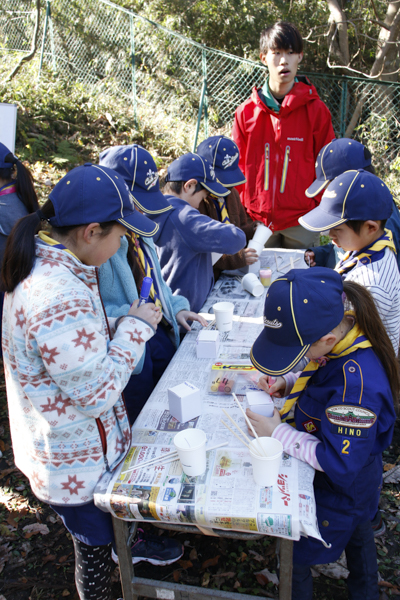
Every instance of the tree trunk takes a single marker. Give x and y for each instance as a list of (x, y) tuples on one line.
[(338, 20), (32, 53)]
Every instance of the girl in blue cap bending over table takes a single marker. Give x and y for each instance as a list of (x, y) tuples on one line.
[(64, 375), (343, 412), (121, 277)]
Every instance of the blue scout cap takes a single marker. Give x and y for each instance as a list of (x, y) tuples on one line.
[(95, 194), (4, 151), (354, 195), (300, 308), (334, 159), (193, 166), (223, 154), (139, 170)]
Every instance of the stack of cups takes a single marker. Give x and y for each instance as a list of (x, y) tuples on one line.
[(260, 237)]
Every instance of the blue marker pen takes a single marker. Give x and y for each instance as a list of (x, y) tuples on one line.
[(145, 291)]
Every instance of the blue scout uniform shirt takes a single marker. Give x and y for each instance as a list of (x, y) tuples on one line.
[(348, 406)]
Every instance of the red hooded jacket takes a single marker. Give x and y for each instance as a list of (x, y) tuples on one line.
[(278, 153)]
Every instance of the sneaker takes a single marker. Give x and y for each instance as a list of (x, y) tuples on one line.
[(378, 525), (155, 549)]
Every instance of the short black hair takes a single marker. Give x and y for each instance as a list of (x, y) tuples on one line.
[(356, 224), (177, 187), (281, 36)]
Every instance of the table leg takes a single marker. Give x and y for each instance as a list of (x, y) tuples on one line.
[(121, 534), (286, 569)]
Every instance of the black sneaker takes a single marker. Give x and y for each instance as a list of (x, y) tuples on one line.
[(157, 550), (378, 525)]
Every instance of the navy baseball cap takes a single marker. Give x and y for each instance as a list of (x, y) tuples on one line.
[(95, 194), (335, 158), (300, 308), (194, 166), (223, 154), (354, 195), (139, 170), (4, 151)]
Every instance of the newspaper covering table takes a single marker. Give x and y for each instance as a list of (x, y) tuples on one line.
[(225, 496)]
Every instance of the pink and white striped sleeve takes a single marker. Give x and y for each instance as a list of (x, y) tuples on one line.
[(299, 444)]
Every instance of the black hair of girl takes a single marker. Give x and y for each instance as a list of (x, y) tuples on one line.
[(19, 255), (281, 36), (176, 187), (370, 323), (24, 182)]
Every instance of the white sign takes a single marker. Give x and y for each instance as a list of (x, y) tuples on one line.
[(8, 125)]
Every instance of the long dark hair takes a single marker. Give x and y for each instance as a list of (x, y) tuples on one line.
[(19, 255), (24, 182), (370, 323)]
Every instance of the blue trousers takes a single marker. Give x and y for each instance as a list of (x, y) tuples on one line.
[(159, 352), (362, 582)]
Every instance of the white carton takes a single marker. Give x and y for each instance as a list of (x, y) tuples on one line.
[(185, 402), (207, 345), (260, 402)]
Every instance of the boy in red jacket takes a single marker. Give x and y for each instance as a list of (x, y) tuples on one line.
[(279, 131)]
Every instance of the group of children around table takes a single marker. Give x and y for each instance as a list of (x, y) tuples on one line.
[(75, 337)]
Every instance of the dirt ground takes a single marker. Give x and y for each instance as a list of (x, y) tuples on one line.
[(37, 559)]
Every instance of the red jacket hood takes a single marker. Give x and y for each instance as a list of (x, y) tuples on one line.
[(300, 94)]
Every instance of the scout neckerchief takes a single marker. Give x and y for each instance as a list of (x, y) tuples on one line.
[(354, 340), (147, 267), (367, 255), (9, 188), (48, 240), (220, 205)]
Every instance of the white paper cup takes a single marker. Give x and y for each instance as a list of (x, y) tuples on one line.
[(223, 312), (252, 284), (266, 468), (262, 234), (191, 447), (258, 246), (254, 268)]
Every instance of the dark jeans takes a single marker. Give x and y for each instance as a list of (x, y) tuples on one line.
[(159, 351), (362, 582)]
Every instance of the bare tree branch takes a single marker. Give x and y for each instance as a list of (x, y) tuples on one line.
[(32, 53)]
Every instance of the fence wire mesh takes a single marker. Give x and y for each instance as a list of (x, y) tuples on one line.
[(116, 51)]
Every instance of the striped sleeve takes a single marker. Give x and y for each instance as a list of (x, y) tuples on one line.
[(299, 444)]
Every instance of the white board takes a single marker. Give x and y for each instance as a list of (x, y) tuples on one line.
[(8, 125)]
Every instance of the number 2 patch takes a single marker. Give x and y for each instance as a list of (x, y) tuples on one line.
[(346, 447)]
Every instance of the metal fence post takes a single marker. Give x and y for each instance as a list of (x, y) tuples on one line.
[(343, 109), (134, 99), (203, 101), (46, 21)]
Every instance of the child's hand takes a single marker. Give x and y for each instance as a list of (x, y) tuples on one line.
[(263, 426), (309, 257), (250, 255), (183, 316), (148, 312), (274, 386)]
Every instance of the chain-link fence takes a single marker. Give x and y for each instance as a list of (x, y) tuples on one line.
[(116, 51)]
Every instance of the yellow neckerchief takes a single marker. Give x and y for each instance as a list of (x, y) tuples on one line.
[(146, 266), (224, 211), (367, 255), (354, 340), (48, 240)]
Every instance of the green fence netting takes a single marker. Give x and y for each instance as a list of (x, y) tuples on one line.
[(118, 52)]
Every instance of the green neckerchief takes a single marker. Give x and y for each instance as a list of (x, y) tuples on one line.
[(268, 98)]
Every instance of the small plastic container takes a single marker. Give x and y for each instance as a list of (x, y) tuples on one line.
[(265, 277)]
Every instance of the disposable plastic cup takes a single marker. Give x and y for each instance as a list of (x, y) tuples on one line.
[(223, 312), (265, 277), (252, 284), (262, 234), (266, 468), (191, 447)]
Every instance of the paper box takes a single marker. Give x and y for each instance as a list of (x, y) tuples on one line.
[(185, 402), (261, 403), (207, 345)]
